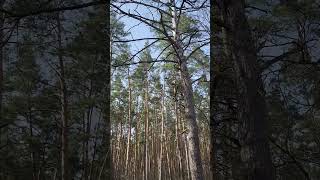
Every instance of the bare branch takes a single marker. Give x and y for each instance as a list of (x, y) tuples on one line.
[(52, 10)]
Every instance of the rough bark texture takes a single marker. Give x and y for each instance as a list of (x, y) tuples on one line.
[(193, 134), (1, 56), (212, 95), (2, 170), (195, 162), (255, 153)]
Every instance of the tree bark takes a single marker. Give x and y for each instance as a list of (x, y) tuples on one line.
[(1, 77), (193, 134), (129, 123), (161, 135), (146, 123), (107, 60), (213, 84), (177, 132), (255, 152)]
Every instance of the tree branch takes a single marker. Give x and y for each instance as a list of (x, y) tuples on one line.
[(51, 10)]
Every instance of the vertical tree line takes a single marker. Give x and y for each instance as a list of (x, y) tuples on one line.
[(56, 113)]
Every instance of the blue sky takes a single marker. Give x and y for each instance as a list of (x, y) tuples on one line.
[(139, 30), (136, 28)]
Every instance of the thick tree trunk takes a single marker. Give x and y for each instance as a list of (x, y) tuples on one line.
[(1, 58), (107, 60), (193, 134), (2, 171), (255, 152), (213, 85)]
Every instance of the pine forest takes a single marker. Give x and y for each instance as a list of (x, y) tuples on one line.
[(159, 90)]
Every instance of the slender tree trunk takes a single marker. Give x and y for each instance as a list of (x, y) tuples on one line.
[(88, 133), (32, 154), (152, 158), (64, 107), (146, 125), (255, 152), (137, 150), (193, 134), (166, 148), (54, 177), (161, 134), (129, 123), (83, 146), (118, 149)]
